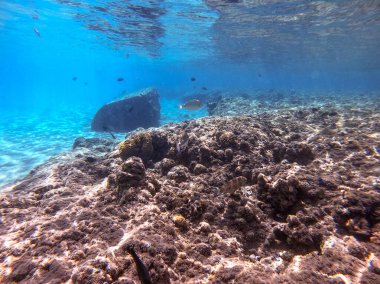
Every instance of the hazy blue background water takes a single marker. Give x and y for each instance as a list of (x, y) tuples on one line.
[(225, 45)]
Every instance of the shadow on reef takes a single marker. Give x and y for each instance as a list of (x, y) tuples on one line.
[(289, 196)]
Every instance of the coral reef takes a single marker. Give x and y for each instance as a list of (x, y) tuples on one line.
[(290, 196)]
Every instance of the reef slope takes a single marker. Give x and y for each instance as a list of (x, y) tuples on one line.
[(287, 197)]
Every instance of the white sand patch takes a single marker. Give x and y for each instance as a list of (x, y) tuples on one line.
[(277, 263), (340, 122), (364, 268), (293, 170), (328, 163), (375, 135), (91, 191), (295, 264), (344, 278), (5, 268), (328, 244)]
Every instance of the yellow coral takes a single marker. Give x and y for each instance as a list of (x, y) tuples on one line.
[(180, 221), (139, 145)]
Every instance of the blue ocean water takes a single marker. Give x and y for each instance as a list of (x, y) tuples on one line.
[(60, 59)]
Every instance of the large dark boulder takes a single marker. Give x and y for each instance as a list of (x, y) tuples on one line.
[(140, 109)]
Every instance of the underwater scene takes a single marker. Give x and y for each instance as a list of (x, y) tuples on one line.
[(198, 141)]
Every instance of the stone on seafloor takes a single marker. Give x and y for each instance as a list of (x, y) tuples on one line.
[(226, 139), (140, 109), (132, 174), (204, 228), (180, 222), (165, 165), (203, 249), (199, 169), (179, 173), (375, 265)]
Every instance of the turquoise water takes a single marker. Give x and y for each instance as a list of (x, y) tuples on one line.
[(228, 46)]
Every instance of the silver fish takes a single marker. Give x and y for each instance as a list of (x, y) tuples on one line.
[(37, 32), (182, 143), (191, 105), (178, 147)]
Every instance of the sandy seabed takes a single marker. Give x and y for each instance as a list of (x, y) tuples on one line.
[(284, 195)]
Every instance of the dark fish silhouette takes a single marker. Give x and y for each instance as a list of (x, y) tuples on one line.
[(37, 32), (193, 79), (204, 89), (259, 74), (101, 9), (120, 79), (142, 271), (75, 78)]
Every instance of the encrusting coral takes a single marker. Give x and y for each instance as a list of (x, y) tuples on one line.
[(138, 145)]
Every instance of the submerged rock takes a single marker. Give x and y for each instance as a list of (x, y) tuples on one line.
[(141, 109), (132, 174)]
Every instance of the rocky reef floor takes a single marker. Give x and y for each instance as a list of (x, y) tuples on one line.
[(285, 196)]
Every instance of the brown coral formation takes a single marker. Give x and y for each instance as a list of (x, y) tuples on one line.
[(138, 145), (146, 145), (307, 211)]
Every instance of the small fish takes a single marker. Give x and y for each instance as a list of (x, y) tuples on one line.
[(85, 83), (204, 89), (142, 270), (259, 75), (193, 79), (178, 147), (182, 143), (37, 32), (120, 79), (106, 129), (184, 140), (191, 105), (75, 78), (234, 184)]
